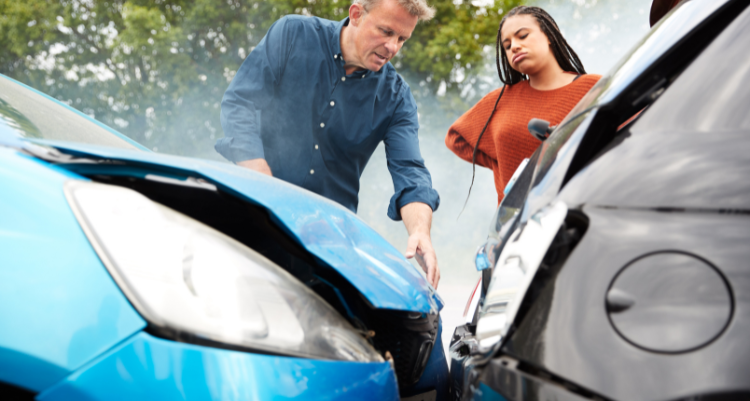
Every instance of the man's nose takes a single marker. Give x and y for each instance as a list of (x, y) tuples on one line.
[(393, 46)]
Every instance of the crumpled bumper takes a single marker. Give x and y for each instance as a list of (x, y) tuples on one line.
[(147, 367)]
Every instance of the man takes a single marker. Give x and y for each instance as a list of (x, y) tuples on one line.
[(314, 99)]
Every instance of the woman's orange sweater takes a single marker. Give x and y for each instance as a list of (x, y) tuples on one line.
[(507, 140)]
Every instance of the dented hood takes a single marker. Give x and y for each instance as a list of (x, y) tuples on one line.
[(327, 230)]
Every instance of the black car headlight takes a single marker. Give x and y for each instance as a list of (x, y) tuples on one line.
[(515, 269), (185, 277)]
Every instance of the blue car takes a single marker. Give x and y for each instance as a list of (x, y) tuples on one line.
[(126, 274)]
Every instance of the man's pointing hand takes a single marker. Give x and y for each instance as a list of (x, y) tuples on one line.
[(417, 218), (420, 246)]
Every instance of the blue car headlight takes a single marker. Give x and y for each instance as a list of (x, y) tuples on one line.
[(183, 276)]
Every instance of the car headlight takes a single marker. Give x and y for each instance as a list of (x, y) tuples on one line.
[(514, 271), (185, 277)]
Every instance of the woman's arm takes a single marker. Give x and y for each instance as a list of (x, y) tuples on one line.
[(463, 149), (463, 134)]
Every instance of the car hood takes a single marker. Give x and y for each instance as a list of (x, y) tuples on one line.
[(327, 230)]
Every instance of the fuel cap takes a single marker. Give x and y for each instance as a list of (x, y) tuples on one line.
[(669, 302)]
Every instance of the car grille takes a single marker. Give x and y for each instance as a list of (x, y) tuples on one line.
[(409, 337)]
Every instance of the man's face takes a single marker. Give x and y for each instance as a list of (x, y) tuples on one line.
[(380, 32)]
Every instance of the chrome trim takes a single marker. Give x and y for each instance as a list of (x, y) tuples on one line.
[(514, 272)]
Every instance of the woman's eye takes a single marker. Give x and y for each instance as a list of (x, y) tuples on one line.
[(524, 36)]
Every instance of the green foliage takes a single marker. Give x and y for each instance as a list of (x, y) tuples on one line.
[(454, 40), (156, 69)]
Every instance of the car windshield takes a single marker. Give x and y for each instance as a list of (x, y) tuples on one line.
[(709, 97), (29, 114), (673, 27)]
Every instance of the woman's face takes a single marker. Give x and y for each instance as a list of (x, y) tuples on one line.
[(526, 46)]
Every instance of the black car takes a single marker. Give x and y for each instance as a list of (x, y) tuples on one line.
[(618, 265)]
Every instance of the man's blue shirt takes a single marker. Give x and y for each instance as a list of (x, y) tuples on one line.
[(292, 103)]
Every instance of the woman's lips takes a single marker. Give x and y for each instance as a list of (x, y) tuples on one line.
[(518, 57)]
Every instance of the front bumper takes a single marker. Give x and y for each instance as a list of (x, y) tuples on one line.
[(501, 379), (147, 367)]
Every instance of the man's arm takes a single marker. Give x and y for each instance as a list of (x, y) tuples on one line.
[(259, 165), (414, 199), (417, 218), (251, 89)]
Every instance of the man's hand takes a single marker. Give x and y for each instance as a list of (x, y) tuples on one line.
[(418, 220), (259, 165)]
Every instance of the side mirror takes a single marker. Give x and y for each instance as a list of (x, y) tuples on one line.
[(540, 129)]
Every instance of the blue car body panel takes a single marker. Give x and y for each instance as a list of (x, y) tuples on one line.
[(146, 367), (59, 308), (326, 229)]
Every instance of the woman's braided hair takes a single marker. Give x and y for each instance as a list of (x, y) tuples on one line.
[(564, 54)]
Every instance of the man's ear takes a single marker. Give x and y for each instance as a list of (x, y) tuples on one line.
[(356, 13)]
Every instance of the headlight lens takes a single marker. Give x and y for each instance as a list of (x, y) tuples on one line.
[(514, 271), (184, 276)]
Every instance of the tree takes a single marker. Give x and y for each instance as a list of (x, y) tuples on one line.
[(156, 69)]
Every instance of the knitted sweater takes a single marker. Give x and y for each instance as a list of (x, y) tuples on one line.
[(507, 140)]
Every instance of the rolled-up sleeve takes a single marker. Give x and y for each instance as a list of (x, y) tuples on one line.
[(251, 89), (411, 179)]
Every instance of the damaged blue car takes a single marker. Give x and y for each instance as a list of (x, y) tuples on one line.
[(126, 274)]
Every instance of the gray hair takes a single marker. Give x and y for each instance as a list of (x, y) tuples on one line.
[(417, 8)]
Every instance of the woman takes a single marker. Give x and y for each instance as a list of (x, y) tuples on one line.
[(543, 78)]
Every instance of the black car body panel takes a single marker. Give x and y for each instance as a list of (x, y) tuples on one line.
[(571, 334), (506, 376)]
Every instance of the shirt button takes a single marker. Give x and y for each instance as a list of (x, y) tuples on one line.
[(322, 125), (343, 79), (312, 171), (335, 56), (363, 75), (333, 103), (316, 147)]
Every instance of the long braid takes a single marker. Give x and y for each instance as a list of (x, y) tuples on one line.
[(564, 54), (481, 134)]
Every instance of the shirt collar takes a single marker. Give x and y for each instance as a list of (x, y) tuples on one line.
[(335, 49), (336, 38)]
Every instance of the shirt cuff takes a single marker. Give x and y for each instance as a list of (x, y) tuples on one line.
[(237, 151), (418, 193)]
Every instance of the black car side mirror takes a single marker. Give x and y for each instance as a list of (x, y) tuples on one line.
[(540, 129)]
